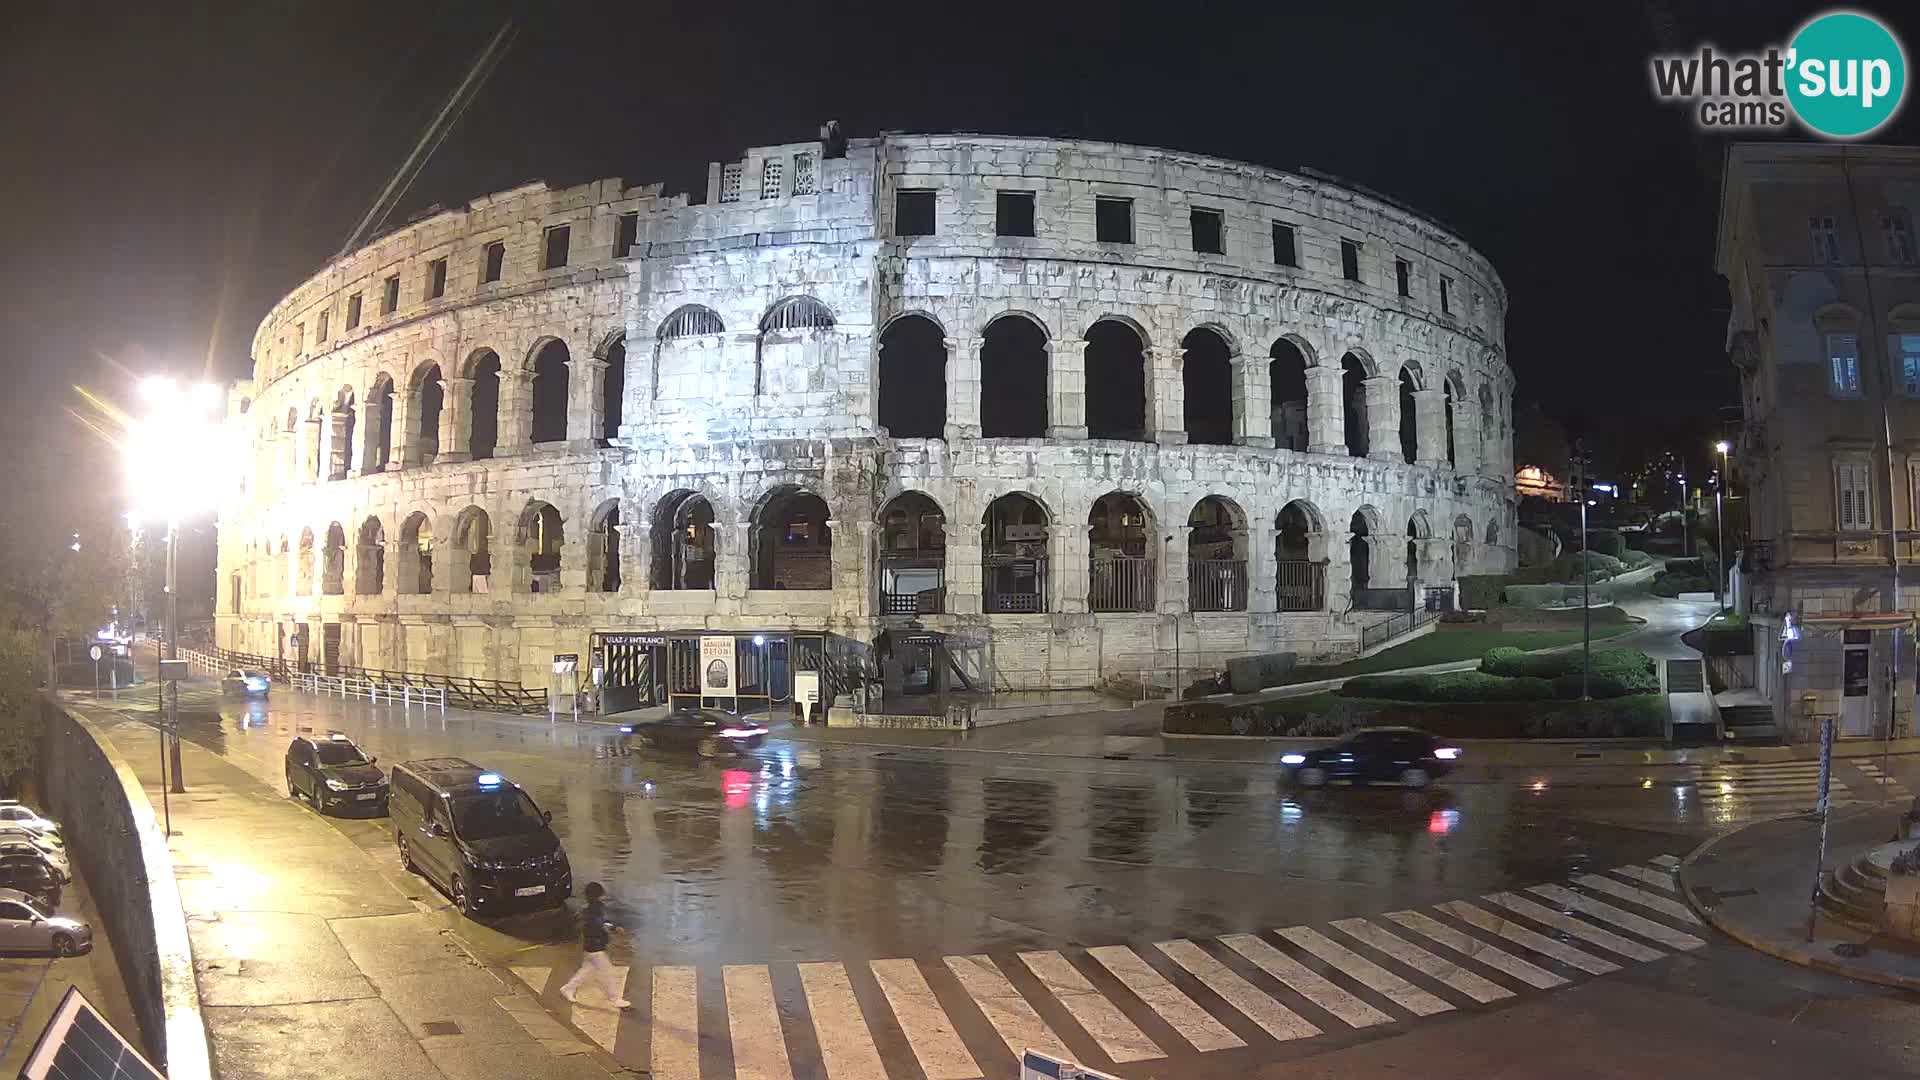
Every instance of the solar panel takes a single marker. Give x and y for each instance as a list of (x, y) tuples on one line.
[(79, 1044)]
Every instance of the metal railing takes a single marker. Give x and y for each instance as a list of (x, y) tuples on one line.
[(1014, 601), (1120, 583), (925, 602), (1405, 622), (1217, 585), (453, 690), (403, 694), (1300, 585)]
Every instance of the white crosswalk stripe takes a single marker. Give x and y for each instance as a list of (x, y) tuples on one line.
[(1606, 939), (846, 1046), (594, 1014), (1276, 1019), (1473, 948), (1520, 935), (759, 1047), (676, 1024), (1668, 861), (1422, 961), (1119, 1039), (1672, 909), (1342, 1004), (1659, 879), (938, 1047), (1625, 920), (1398, 990), (1020, 1027), (1177, 1009)]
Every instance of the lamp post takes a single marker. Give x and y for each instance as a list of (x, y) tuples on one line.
[(1581, 463), (1720, 524)]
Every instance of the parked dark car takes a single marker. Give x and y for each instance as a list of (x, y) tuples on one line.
[(708, 732), (1401, 755), (477, 836), (239, 683), (31, 875), (335, 774)]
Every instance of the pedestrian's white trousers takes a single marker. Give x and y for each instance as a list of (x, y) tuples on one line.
[(597, 965)]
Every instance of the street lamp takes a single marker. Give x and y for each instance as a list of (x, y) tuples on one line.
[(1720, 523), (173, 451)]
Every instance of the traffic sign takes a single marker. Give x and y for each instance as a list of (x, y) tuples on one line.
[(96, 653)]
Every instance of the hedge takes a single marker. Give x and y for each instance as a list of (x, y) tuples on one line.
[(1321, 715), (1631, 670), (1669, 584), (1448, 686)]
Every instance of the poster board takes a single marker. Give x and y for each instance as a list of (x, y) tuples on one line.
[(717, 676)]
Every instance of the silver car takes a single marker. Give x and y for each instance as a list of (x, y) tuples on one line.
[(26, 927)]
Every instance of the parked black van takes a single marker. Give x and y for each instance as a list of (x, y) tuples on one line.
[(477, 836)]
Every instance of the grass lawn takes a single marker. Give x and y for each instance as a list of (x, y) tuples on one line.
[(1442, 646)]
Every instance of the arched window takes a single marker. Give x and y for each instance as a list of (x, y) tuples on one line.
[(1409, 418), (603, 554), (1206, 376), (1489, 429), (1120, 562), (683, 542), (913, 378), (1353, 395), (690, 321), (913, 556), (472, 552), (796, 313), (304, 570), (1417, 531), (1116, 382), (483, 435), (1216, 556), (316, 440), (1300, 558), (340, 435), (1287, 383), (1451, 386), (1493, 533), (416, 555), (792, 543), (784, 352), (541, 537), (1013, 542), (550, 393), (1360, 552), (1013, 379), (426, 425), (371, 579), (379, 449), (1462, 545), (613, 391), (333, 574)]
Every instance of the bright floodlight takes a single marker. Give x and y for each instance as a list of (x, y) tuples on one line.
[(1723, 446), (176, 451)]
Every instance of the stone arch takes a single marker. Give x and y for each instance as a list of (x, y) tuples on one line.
[(1455, 388), (1362, 533), (1355, 370), (603, 549), (1489, 428), (370, 566), (1418, 527), (690, 320), (912, 398), (316, 443), (483, 419), (1300, 557), (1462, 545), (1014, 366), (549, 364), (1419, 531), (792, 540), (790, 320), (1121, 542), (1116, 380), (378, 451), (613, 385), (1216, 555), (471, 548), (341, 421), (303, 571), (1493, 532), (1206, 377), (684, 542), (1288, 360), (1014, 533), (415, 565), (333, 561), (540, 536), (912, 555), (1409, 413), (426, 395)]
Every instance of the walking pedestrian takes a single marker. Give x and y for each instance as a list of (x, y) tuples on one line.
[(594, 933)]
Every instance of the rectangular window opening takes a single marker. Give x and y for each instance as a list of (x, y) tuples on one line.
[(1013, 213), (1446, 296), (1843, 365), (628, 235), (913, 213), (1350, 259), (558, 239), (1853, 488), (390, 296), (1907, 347), (772, 178), (1113, 220), (1403, 276), (495, 261), (437, 279), (1823, 237), (320, 330), (803, 174), (1899, 238), (1209, 231), (353, 312), (1284, 251)]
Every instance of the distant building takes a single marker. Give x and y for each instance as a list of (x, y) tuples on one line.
[(1817, 244), (1534, 480)]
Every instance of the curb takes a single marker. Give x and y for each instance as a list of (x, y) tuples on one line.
[(1806, 958)]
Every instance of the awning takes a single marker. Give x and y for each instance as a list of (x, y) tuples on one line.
[(1869, 620)]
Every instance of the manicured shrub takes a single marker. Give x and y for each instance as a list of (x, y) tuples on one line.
[(1482, 591)]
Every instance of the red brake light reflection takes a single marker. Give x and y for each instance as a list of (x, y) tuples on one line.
[(736, 784)]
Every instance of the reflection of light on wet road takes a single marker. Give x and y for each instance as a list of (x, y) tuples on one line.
[(1442, 822), (1537, 787), (737, 785)]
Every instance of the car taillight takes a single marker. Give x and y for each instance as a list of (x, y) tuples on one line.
[(1447, 753)]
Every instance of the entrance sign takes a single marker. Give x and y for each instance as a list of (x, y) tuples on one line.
[(716, 666), (566, 663), (806, 694)]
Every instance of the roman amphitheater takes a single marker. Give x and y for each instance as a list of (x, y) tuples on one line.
[(1007, 414)]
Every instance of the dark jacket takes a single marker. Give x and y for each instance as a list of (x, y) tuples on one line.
[(593, 926)]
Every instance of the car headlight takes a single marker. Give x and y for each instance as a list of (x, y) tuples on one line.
[(335, 785), (1293, 759), (493, 864)]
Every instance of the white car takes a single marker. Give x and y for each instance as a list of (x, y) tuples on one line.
[(25, 926), (13, 830), (54, 858), (13, 813)]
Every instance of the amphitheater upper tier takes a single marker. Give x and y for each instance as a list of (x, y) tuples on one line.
[(1054, 412)]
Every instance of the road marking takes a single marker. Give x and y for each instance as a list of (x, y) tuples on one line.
[(676, 1025), (535, 978), (1119, 1039), (594, 1014), (938, 1047), (1177, 1009), (1340, 1003), (1274, 1018), (1424, 962), (1520, 935), (1606, 939), (846, 1047), (1469, 946), (1662, 879), (1400, 991), (759, 1048), (1672, 909), (1668, 861), (1011, 1015), (1625, 920)]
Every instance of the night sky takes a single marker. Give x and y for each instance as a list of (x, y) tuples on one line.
[(173, 169)]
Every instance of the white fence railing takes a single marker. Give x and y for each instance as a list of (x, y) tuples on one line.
[(341, 686)]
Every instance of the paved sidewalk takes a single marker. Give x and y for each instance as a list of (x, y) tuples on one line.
[(311, 962), (1754, 885)]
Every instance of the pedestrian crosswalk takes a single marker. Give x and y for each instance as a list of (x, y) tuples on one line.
[(1883, 779), (968, 1017), (1743, 791)]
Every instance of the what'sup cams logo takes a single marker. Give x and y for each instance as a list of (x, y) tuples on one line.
[(1843, 76)]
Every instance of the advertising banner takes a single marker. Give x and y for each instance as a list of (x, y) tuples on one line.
[(716, 666)]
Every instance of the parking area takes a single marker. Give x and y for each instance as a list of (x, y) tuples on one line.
[(31, 986)]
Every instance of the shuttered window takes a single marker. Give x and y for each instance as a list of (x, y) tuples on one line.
[(1853, 488)]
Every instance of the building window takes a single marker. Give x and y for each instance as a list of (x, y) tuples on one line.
[(1403, 276), (320, 331), (495, 260), (1908, 347), (1209, 232), (730, 183), (1853, 488), (390, 296), (1013, 213), (1350, 259), (803, 174), (1843, 365), (1113, 220), (558, 239), (1285, 253), (1899, 237), (437, 279), (772, 173), (1824, 237), (1446, 296), (627, 236), (913, 213), (353, 312), (299, 338)]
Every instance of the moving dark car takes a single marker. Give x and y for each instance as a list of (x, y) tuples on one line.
[(31, 875), (1401, 755), (710, 732), (333, 773), (238, 683), (477, 836)]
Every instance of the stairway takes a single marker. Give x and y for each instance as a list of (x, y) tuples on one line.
[(1686, 677), (1856, 893), (1751, 724)]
